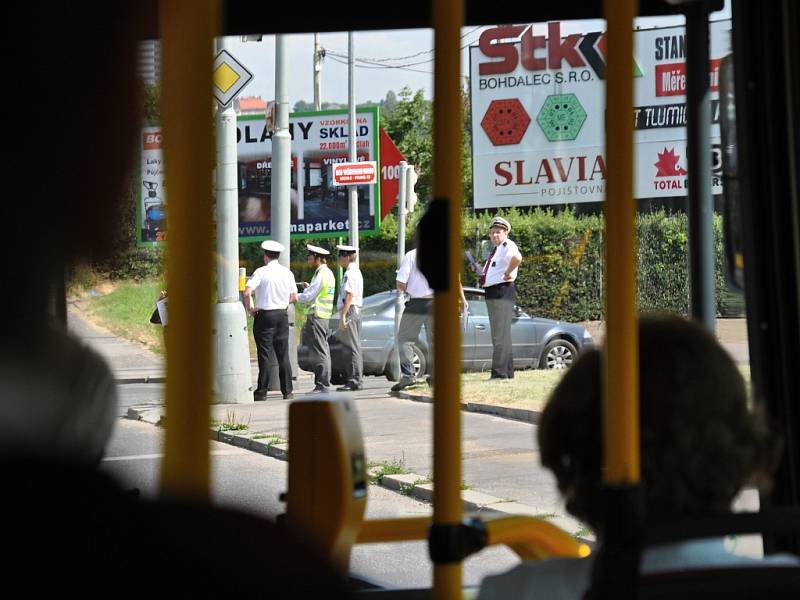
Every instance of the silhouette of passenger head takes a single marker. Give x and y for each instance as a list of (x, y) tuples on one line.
[(700, 441)]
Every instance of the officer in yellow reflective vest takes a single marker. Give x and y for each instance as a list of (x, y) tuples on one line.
[(319, 293)]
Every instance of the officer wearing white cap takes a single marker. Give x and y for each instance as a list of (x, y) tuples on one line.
[(319, 293), (351, 297), (275, 288), (497, 279)]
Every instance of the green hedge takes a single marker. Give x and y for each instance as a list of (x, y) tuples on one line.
[(561, 276)]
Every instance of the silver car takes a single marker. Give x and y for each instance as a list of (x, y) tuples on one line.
[(538, 343)]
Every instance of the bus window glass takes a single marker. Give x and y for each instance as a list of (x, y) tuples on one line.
[(534, 167)]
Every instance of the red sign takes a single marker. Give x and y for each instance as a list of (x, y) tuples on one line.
[(671, 78), (355, 173), (390, 173), (151, 140)]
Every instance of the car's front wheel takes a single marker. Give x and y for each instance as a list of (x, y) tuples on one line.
[(558, 354)]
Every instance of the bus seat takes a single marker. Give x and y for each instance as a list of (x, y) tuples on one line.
[(740, 583)]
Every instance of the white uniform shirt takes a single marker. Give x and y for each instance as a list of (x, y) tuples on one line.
[(274, 284), (352, 282), (315, 287), (408, 273), (498, 263)]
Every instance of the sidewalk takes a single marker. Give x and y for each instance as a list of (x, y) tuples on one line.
[(501, 470)]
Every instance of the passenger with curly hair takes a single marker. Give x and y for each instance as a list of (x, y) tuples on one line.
[(700, 445)]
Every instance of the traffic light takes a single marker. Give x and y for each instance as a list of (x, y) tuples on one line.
[(411, 181)]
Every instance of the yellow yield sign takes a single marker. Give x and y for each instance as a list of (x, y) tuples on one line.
[(230, 77)]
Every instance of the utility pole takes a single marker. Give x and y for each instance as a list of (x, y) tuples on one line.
[(282, 175), (351, 99), (317, 73), (281, 154), (231, 375)]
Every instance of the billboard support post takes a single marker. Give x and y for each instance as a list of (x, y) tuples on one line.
[(352, 190), (401, 252), (231, 375)]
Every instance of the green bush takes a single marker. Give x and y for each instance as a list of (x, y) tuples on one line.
[(561, 276)]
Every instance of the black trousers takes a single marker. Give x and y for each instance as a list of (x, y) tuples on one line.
[(315, 337), (416, 314), (271, 332), (500, 301)]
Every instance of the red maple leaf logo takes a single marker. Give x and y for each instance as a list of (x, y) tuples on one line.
[(667, 164)]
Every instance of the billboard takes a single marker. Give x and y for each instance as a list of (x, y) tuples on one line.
[(151, 209), (538, 114), (318, 208)]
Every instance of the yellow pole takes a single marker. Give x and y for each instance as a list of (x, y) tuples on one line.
[(188, 29), (621, 387), (448, 16)]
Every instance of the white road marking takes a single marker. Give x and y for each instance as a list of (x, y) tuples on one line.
[(155, 456)]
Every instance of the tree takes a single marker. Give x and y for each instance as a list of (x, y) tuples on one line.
[(410, 125)]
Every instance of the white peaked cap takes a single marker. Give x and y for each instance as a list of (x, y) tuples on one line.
[(317, 250), (272, 246)]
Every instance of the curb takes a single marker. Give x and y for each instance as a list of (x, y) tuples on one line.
[(408, 484), (513, 414)]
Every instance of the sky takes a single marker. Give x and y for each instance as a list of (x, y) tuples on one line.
[(410, 48)]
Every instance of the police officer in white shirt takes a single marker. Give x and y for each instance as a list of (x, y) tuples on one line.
[(351, 297), (416, 314), (497, 279), (319, 294), (275, 288)]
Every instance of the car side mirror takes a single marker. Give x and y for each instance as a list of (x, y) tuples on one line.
[(517, 311)]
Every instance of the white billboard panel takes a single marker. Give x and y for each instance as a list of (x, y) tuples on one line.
[(538, 113)]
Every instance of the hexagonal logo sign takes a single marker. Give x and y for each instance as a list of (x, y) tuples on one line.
[(505, 121), (561, 117)]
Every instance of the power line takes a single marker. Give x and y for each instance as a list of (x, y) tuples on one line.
[(382, 60)]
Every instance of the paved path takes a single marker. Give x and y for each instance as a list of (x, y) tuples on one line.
[(500, 458)]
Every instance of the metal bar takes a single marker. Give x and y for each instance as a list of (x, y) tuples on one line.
[(621, 381), (448, 16), (380, 531), (187, 53), (700, 202)]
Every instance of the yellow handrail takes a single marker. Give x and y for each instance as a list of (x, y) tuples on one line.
[(448, 16), (188, 29), (621, 381), (531, 538)]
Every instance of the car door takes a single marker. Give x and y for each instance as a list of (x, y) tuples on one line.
[(477, 331), (525, 340)]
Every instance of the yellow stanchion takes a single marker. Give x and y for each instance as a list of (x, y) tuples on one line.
[(448, 16), (621, 381), (188, 28)]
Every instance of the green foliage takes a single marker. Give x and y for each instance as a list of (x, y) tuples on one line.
[(152, 105), (409, 122)]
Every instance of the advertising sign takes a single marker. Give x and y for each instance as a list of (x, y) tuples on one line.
[(390, 173), (354, 173), (319, 140), (152, 206), (538, 114), (319, 209)]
